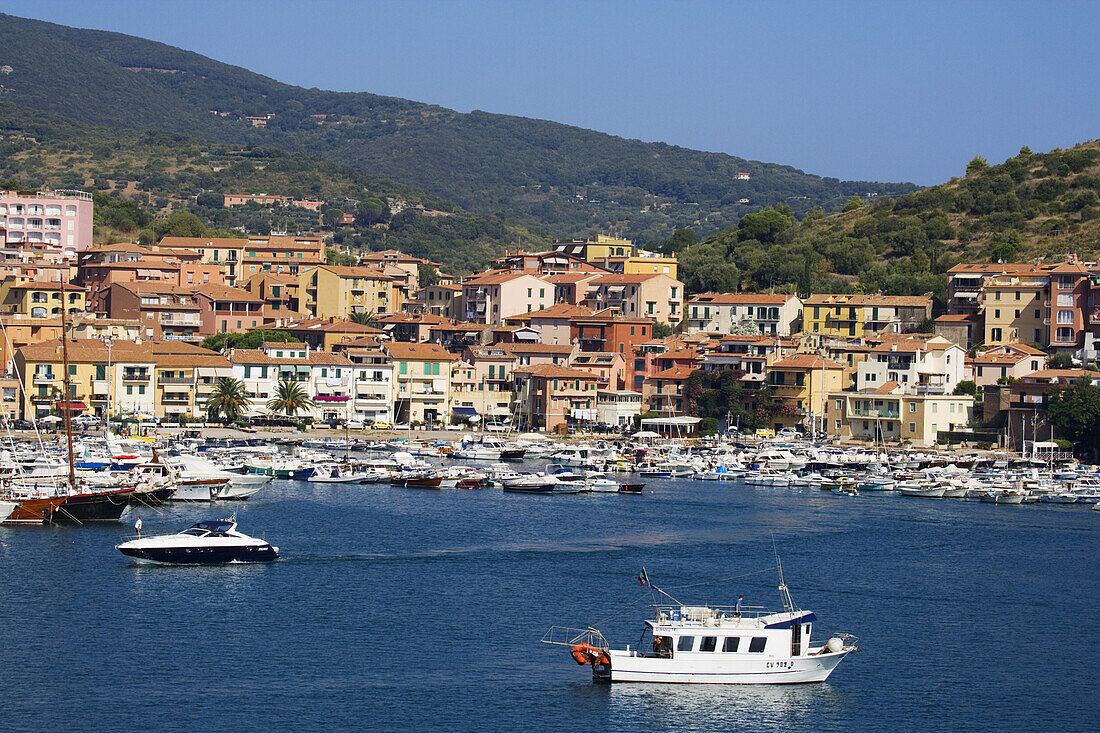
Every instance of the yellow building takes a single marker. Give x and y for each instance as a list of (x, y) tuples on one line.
[(329, 291), (422, 382), (881, 415), (127, 380), (620, 255), (802, 382), (853, 315), (1017, 309), (40, 299)]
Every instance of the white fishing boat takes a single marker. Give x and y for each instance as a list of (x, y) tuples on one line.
[(926, 489), (335, 475), (712, 645)]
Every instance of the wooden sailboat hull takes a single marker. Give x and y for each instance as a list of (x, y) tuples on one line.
[(35, 511), (101, 506)]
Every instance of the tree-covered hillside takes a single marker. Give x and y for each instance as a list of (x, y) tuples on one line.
[(568, 180), (144, 181), (1029, 207)]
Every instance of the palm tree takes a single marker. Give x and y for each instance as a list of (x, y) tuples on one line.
[(229, 399), (363, 319), (289, 399)]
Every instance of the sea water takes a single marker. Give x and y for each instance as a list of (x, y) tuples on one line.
[(405, 609)]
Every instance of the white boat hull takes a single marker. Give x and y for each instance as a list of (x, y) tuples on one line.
[(626, 667)]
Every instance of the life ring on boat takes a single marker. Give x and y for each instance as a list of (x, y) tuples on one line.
[(585, 653)]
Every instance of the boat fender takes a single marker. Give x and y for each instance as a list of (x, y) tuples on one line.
[(834, 645)]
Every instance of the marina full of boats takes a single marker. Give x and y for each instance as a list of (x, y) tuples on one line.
[(110, 475)]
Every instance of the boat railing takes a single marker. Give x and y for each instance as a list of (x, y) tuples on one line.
[(566, 636), (700, 615)]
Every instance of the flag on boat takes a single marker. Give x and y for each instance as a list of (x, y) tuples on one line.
[(643, 578)]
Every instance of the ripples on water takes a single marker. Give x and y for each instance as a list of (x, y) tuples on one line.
[(400, 609)]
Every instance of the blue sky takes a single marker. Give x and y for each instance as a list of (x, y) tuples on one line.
[(883, 91)]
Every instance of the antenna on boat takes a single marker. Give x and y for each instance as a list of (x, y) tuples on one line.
[(784, 591)]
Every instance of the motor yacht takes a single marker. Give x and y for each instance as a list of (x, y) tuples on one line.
[(211, 542)]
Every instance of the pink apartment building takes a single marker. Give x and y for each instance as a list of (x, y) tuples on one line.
[(48, 220)]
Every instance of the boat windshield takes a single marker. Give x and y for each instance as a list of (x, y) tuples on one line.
[(219, 526)]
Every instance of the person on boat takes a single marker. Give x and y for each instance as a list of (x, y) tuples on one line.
[(739, 599), (662, 646)]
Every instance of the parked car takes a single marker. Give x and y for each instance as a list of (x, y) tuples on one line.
[(381, 425), (355, 425), (497, 427)]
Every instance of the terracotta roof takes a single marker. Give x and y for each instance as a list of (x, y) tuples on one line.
[(674, 373), (844, 299), (806, 361), (224, 292), (568, 278), (393, 255), (521, 348), (497, 277), (323, 325), (887, 387), (956, 318), (553, 371), (738, 298), (429, 319), (284, 345), (403, 350), (992, 268), (1047, 374), (558, 310)]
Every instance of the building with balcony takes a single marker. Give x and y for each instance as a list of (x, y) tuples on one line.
[(920, 364), (652, 297), (750, 356), (1010, 361), (47, 220), (422, 381), (325, 377), (164, 311), (800, 383), (620, 256), (1016, 308), (663, 392), (884, 416), (556, 323), (329, 291), (41, 300), (774, 315), (857, 316), (618, 407), (122, 262), (372, 385), (223, 309), (224, 253), (550, 397), (493, 296)]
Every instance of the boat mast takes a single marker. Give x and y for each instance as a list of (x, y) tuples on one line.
[(784, 592), (66, 382)]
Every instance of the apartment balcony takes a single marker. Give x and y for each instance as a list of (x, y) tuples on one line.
[(135, 377), (876, 414), (176, 319), (43, 378), (176, 399), (931, 389), (187, 381)]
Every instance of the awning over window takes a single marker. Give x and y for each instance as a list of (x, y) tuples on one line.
[(465, 411), (330, 398), (75, 406)]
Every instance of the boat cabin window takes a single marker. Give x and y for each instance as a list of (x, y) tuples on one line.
[(730, 645), (197, 532), (757, 643), (708, 644), (685, 643)]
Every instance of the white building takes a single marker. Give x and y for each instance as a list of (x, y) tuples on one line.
[(918, 366), (617, 406), (771, 315), (325, 377)]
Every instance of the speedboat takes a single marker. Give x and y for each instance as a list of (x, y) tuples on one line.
[(211, 542), (712, 645)]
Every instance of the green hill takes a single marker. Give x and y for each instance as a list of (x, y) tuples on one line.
[(142, 179), (1029, 207), (568, 180)]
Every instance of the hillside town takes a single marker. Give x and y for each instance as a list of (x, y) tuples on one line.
[(586, 334)]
